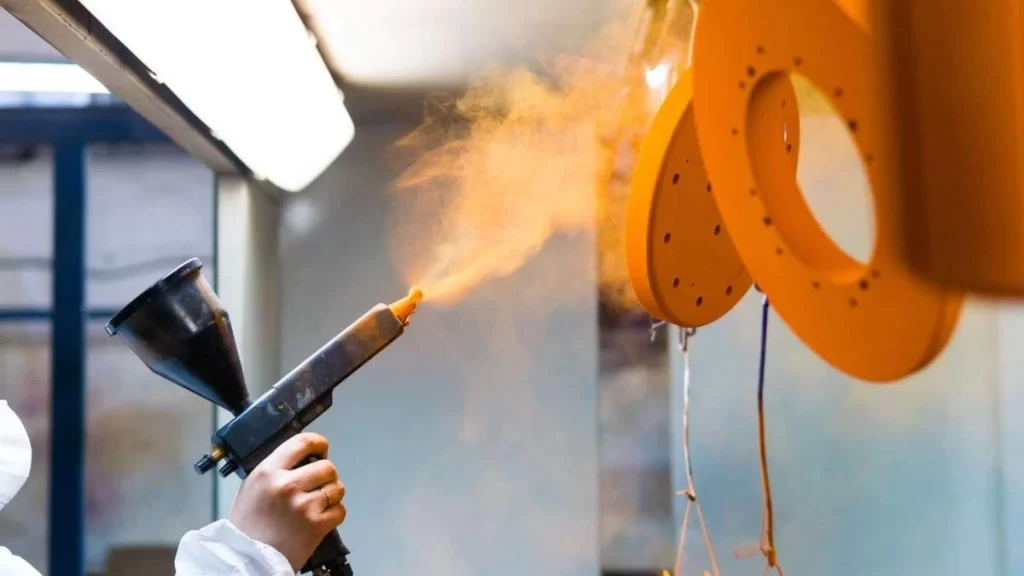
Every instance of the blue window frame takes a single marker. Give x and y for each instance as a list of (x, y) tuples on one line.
[(69, 131)]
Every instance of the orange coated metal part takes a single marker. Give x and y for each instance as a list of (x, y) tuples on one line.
[(682, 263), (875, 322), (957, 83)]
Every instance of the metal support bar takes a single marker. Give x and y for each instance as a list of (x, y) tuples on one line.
[(42, 314), (25, 315), (67, 475), (98, 124)]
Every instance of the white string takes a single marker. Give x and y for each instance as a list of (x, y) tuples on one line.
[(691, 490)]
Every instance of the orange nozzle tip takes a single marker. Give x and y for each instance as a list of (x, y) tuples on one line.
[(406, 307), (416, 294)]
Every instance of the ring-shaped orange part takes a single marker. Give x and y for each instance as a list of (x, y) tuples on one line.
[(876, 321)]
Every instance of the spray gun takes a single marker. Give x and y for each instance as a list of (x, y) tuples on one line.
[(179, 329)]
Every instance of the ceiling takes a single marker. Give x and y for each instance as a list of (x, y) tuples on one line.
[(415, 43)]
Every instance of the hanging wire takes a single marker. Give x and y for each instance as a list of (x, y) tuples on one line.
[(685, 334), (767, 544)]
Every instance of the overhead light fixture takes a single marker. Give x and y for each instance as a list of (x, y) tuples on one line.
[(47, 77), (249, 70)]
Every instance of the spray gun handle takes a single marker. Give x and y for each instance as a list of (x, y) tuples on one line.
[(331, 556)]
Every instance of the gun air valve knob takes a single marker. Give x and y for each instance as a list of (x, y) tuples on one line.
[(208, 461), (228, 468)]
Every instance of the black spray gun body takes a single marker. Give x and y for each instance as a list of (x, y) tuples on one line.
[(180, 330)]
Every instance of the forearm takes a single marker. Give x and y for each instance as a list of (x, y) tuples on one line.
[(219, 549)]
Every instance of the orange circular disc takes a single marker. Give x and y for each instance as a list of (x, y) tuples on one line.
[(874, 321), (682, 263)]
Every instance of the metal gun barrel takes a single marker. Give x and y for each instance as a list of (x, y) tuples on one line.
[(305, 393)]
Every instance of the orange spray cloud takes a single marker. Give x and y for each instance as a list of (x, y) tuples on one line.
[(523, 156)]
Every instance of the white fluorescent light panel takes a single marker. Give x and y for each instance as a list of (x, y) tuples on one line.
[(249, 70), (52, 78)]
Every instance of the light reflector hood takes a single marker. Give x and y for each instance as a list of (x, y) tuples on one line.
[(249, 70)]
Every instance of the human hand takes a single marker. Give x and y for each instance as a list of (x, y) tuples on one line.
[(291, 510)]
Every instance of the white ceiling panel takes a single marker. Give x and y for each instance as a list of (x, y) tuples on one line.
[(444, 42)]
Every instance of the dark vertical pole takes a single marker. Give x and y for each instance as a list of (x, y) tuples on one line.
[(215, 512), (67, 481)]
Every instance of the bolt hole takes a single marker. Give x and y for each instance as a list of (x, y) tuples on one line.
[(675, 283), (767, 220), (728, 290), (816, 284), (753, 192), (876, 274), (743, 85), (853, 125), (687, 160), (853, 302), (798, 61), (700, 300), (838, 92), (751, 71), (789, 148), (718, 229), (735, 131), (668, 237), (709, 187), (778, 251), (863, 284), (675, 178), (760, 49), (869, 158)]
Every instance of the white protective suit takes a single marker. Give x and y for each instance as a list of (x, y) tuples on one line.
[(218, 549)]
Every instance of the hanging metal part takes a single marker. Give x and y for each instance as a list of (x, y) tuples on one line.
[(767, 544), (681, 260), (684, 338), (892, 323), (655, 324), (685, 334)]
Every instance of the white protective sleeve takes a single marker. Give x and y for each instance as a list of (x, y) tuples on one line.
[(11, 565), (219, 549)]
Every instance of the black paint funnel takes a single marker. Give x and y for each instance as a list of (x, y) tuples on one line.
[(180, 330)]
